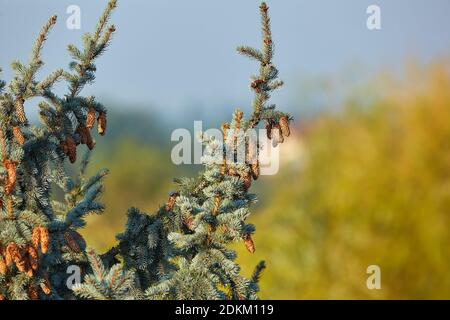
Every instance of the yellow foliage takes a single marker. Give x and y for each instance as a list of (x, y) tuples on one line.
[(375, 190)]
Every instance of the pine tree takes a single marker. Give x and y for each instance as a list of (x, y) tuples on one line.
[(179, 252), (38, 235)]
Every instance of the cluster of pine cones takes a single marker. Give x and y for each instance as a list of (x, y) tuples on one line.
[(278, 131), (26, 257), (69, 145)]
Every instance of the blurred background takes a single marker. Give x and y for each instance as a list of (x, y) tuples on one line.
[(365, 178)]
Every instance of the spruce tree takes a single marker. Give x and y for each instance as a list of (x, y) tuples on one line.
[(179, 252), (38, 235)]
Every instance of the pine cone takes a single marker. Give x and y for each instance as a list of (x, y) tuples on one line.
[(256, 84), (45, 286), (20, 111), (3, 267), (90, 118), (10, 167), (81, 131), (8, 256), (247, 181), (71, 242), (101, 123), (255, 170), (35, 238), (44, 240), (32, 293), (248, 241), (71, 149), (40, 239), (269, 131), (78, 238), (17, 133), (284, 126), (28, 270), (171, 202), (263, 7), (19, 259), (277, 137), (33, 257), (85, 136)]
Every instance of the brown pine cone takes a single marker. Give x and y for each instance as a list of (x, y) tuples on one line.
[(255, 170), (101, 123), (3, 267), (269, 131), (19, 259), (277, 137), (171, 202), (85, 136), (33, 257), (284, 126), (7, 255), (81, 131), (18, 135), (256, 84), (32, 293), (71, 242), (40, 239), (45, 286), (20, 111), (247, 181), (71, 149), (78, 238), (35, 238), (248, 241), (10, 167), (44, 240), (90, 118)]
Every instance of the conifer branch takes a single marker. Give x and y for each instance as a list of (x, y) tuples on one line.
[(38, 238)]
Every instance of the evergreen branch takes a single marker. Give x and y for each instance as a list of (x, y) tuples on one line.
[(37, 49), (104, 19), (94, 46), (257, 272)]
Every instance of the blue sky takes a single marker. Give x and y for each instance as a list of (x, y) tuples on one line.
[(178, 55)]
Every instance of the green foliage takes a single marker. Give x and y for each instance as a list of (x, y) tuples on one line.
[(38, 238), (180, 252), (102, 284)]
